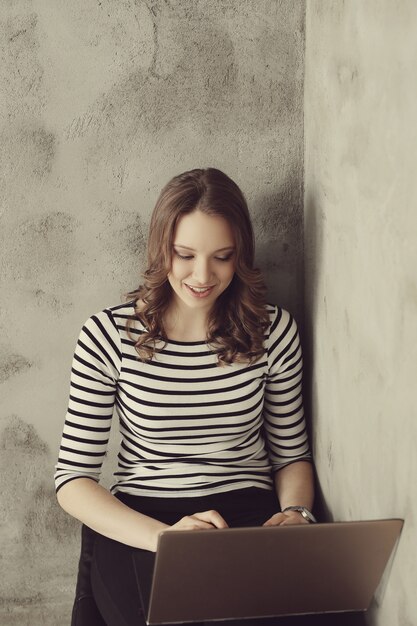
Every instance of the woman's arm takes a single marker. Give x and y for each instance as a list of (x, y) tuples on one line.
[(94, 374), (294, 485), (96, 507), (284, 421)]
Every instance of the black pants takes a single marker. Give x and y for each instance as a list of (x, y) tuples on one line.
[(112, 571)]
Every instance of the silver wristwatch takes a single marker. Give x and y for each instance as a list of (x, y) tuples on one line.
[(304, 512)]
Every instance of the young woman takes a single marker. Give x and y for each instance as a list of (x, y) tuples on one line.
[(205, 380)]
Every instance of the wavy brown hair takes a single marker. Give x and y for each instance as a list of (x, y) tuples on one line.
[(239, 318)]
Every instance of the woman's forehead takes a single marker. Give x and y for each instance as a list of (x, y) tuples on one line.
[(197, 228)]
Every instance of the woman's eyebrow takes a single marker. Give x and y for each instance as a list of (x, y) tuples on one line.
[(178, 245)]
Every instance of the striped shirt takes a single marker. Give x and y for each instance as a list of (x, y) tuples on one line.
[(188, 426)]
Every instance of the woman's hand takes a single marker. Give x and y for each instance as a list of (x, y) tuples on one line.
[(289, 518), (200, 521)]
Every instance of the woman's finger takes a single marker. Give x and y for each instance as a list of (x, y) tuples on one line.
[(191, 523), (212, 517), (202, 520), (275, 520)]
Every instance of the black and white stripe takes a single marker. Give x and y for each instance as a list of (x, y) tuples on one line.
[(188, 426)]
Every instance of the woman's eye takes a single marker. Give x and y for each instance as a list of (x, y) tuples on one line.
[(189, 257), (183, 258)]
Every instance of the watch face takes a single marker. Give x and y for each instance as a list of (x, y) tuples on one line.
[(309, 516)]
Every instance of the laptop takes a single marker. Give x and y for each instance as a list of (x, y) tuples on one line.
[(240, 573)]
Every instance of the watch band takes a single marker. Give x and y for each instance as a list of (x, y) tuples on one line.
[(304, 512)]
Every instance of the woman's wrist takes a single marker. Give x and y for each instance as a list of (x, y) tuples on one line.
[(303, 511)]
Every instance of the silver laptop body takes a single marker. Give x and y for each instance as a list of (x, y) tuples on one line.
[(243, 573)]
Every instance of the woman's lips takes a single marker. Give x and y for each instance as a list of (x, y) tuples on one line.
[(199, 294)]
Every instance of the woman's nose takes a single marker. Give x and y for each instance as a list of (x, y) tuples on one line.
[(202, 271)]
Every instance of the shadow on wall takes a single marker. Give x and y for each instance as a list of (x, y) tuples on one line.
[(314, 220), (37, 536), (278, 226)]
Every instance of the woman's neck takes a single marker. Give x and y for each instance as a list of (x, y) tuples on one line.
[(185, 324)]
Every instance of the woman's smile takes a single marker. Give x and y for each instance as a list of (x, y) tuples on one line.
[(199, 292)]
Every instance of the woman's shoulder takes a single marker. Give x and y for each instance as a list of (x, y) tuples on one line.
[(116, 315), (280, 319), (124, 310), (275, 311)]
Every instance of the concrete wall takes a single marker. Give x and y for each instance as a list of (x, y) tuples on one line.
[(102, 103), (361, 269)]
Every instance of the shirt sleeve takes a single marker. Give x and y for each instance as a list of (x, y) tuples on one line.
[(284, 422), (94, 375)]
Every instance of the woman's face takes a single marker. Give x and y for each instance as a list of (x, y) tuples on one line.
[(203, 260)]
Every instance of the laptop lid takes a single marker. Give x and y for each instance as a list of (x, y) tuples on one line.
[(240, 573)]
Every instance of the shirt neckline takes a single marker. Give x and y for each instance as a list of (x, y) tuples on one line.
[(170, 341)]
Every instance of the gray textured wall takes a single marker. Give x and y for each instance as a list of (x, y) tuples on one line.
[(102, 102), (361, 269)]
